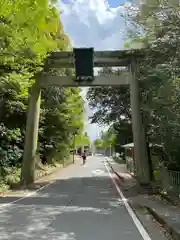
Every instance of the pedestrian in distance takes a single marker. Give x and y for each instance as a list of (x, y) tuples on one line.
[(84, 157)]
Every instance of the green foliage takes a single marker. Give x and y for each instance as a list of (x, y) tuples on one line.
[(106, 141), (108, 138), (82, 140), (154, 25), (98, 143), (160, 70), (112, 106), (61, 118), (86, 140), (29, 30), (10, 150)]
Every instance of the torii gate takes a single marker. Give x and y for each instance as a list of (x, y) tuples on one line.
[(83, 60)]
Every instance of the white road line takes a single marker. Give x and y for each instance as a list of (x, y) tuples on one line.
[(26, 196), (136, 221)]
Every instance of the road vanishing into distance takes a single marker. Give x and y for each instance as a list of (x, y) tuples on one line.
[(83, 203)]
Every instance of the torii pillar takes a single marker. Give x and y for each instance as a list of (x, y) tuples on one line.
[(140, 146), (31, 137)]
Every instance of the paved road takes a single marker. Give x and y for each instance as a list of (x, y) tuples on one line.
[(81, 205)]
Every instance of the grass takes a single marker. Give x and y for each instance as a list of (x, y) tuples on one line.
[(8, 177)]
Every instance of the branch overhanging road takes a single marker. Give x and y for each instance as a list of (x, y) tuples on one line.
[(84, 203)]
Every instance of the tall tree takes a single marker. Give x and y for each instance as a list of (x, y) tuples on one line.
[(29, 30), (160, 71)]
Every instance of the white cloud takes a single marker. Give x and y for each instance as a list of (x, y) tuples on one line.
[(92, 23)]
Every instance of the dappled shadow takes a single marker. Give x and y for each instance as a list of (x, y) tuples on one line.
[(65, 190), (128, 183), (130, 191), (79, 208), (129, 188)]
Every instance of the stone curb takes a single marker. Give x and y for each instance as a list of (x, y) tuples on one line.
[(120, 177), (172, 231)]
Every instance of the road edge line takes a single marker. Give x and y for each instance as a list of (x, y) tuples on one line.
[(136, 221), (26, 196)]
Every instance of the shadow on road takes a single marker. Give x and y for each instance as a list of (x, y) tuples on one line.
[(75, 208), (100, 187)]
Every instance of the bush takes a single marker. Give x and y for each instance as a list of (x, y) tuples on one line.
[(13, 177), (9, 177), (11, 148)]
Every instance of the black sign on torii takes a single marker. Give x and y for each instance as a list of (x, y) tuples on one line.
[(84, 64)]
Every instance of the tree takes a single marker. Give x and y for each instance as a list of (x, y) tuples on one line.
[(98, 143), (154, 26), (160, 98), (82, 140), (61, 119), (108, 138), (111, 104), (160, 33), (112, 107), (29, 31)]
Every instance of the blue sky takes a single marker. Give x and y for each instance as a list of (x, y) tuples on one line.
[(115, 3), (94, 23)]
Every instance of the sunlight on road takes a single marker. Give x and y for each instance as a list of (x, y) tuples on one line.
[(39, 221), (98, 172), (82, 204)]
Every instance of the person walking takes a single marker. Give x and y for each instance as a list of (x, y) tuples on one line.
[(84, 156)]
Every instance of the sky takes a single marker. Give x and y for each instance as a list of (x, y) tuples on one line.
[(98, 24), (115, 3)]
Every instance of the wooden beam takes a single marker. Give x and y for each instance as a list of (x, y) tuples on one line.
[(70, 82)]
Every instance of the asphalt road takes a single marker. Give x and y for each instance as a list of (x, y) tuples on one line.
[(82, 204)]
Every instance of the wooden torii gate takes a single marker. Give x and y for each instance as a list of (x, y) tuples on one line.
[(100, 59)]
